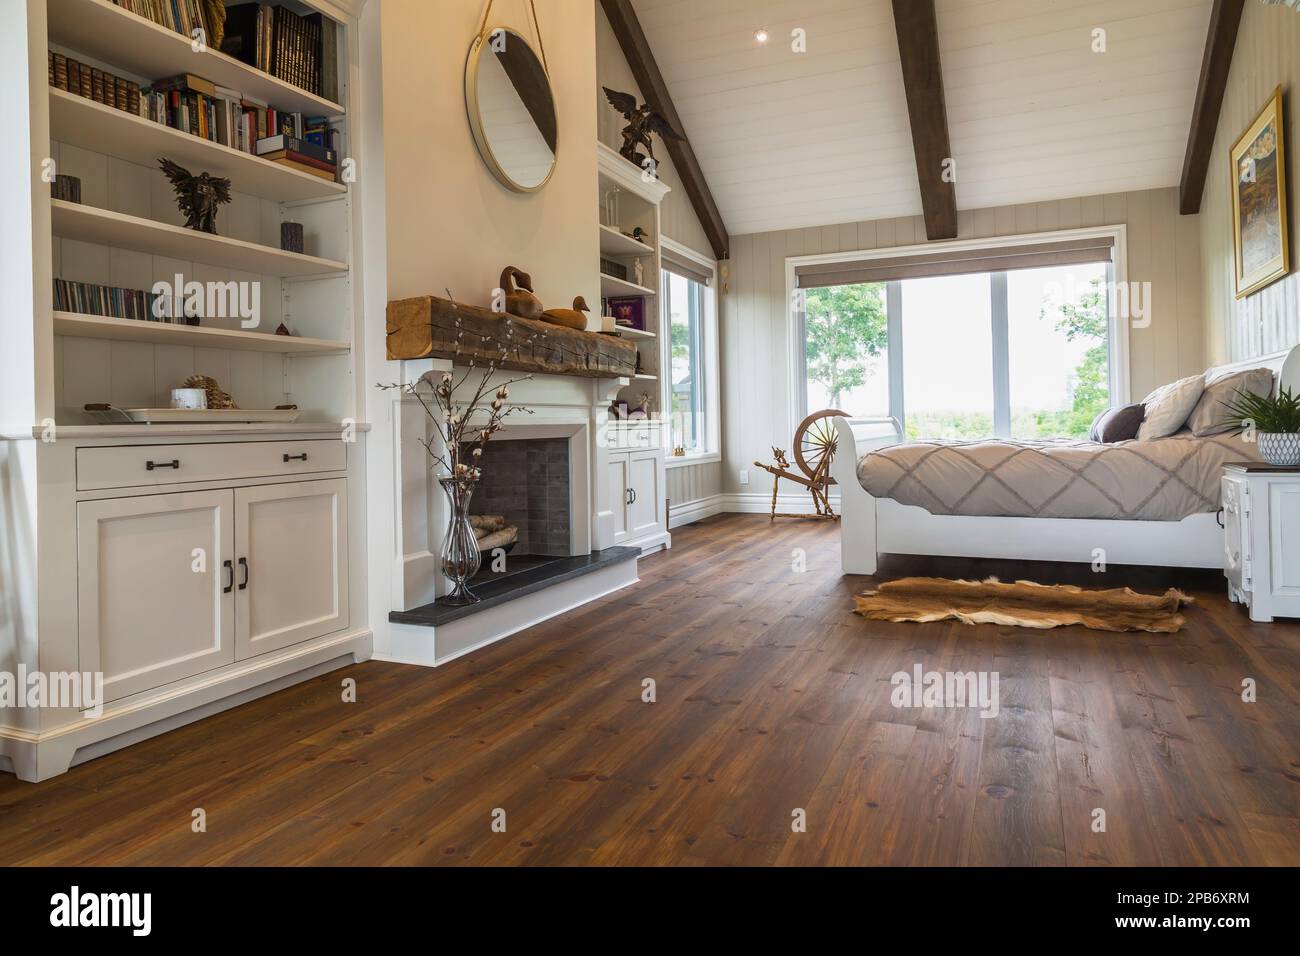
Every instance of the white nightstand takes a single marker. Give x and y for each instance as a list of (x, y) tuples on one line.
[(1261, 522)]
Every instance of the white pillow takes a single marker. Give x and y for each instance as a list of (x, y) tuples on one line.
[(1168, 407)]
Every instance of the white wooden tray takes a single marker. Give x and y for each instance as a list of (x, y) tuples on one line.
[(193, 415)]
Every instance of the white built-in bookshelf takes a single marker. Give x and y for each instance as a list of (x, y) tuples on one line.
[(127, 231), (628, 201)]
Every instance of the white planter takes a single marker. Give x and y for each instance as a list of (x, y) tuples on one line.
[(1280, 448)]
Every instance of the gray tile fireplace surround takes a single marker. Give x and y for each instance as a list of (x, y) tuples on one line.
[(527, 480)]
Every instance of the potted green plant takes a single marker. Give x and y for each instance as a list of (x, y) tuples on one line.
[(1275, 421)]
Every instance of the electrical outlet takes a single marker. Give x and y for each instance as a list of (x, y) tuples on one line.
[(744, 476)]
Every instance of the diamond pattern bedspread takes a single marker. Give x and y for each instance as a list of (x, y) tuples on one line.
[(1165, 479)]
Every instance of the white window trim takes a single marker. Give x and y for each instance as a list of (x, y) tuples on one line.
[(709, 334), (1118, 275)]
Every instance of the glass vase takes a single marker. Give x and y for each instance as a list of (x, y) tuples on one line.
[(460, 554)]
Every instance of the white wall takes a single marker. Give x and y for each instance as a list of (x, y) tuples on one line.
[(1267, 54), (1163, 248)]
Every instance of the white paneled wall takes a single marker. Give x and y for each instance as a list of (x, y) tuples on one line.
[(692, 483), (1163, 249), (1267, 55)]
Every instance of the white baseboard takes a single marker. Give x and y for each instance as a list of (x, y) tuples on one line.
[(754, 503), (689, 511)]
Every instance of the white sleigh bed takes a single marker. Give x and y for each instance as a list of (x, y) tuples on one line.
[(870, 526)]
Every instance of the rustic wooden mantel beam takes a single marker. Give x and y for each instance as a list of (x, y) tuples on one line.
[(431, 327)]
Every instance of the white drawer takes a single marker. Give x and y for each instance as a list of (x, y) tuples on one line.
[(126, 466)]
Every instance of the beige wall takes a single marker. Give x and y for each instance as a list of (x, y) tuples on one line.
[(1163, 249), (678, 220), (450, 223), (1267, 54)]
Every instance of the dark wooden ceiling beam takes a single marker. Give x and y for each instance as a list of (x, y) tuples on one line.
[(1225, 18), (917, 28), (636, 49)]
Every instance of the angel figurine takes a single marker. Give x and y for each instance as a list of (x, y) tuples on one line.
[(641, 122), (197, 196)]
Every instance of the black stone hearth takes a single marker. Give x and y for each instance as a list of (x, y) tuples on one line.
[(533, 574)]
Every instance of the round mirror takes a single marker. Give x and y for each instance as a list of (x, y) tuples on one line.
[(511, 110)]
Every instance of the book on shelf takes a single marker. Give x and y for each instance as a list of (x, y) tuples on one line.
[(300, 50), (78, 78), (89, 298), (311, 148), (304, 165), (217, 113), (181, 16)]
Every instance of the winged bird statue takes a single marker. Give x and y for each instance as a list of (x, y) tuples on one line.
[(197, 196), (641, 122)]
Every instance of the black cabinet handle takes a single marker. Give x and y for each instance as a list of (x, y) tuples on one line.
[(151, 465), (627, 496), (243, 563), (1218, 516), (230, 570), (631, 496), (289, 458)]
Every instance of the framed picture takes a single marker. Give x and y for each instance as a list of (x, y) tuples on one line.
[(1259, 216), (628, 311)]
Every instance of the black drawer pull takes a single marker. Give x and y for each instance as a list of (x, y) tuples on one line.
[(151, 465), (1218, 516), (230, 567), (289, 458), (243, 563)]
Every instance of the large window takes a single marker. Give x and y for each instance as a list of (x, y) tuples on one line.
[(1017, 352), (691, 391)]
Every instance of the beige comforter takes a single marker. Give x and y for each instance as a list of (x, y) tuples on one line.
[(1164, 479)]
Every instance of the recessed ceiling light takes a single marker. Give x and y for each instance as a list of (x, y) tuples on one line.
[(760, 36)]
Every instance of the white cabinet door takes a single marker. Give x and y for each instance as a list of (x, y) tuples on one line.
[(290, 564), (155, 592), (1284, 520), (617, 490), (645, 510)]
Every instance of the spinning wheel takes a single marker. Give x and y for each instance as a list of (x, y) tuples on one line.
[(814, 443), (814, 447)]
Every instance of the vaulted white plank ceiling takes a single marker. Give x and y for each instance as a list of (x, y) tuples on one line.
[(791, 139)]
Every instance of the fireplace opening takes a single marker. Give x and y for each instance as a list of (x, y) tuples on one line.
[(521, 508)]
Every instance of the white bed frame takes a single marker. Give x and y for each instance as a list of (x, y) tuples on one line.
[(871, 526)]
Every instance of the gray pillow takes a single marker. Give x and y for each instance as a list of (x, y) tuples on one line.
[(1210, 416), (1168, 407), (1117, 424)]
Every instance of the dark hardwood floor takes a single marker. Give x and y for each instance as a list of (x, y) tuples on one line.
[(771, 697)]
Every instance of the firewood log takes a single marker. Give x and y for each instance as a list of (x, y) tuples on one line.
[(499, 539)]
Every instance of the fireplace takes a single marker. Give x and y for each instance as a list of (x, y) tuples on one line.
[(526, 483), (546, 473)]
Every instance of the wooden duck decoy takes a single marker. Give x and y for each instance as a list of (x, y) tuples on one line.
[(520, 301), (569, 318)]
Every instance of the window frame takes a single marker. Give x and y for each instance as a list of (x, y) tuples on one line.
[(1116, 273), (708, 361)]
